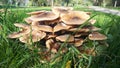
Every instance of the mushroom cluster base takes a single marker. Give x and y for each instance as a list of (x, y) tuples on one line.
[(59, 29)]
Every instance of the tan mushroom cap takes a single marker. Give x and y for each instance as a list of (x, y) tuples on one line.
[(61, 26), (97, 36), (48, 15), (75, 18), (45, 28), (61, 10), (78, 42), (66, 37), (85, 29), (28, 20), (35, 12), (33, 37), (25, 30)]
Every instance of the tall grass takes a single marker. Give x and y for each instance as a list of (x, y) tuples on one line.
[(14, 54)]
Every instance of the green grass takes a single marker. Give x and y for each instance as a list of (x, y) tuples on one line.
[(14, 54)]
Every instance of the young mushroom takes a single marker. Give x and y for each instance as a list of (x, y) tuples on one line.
[(65, 38), (96, 36)]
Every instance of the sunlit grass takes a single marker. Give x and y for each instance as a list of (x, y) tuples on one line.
[(14, 54)]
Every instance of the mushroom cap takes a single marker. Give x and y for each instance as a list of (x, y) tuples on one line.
[(35, 12), (61, 10), (61, 26), (79, 30), (75, 18), (96, 36), (78, 42), (25, 30), (45, 28), (48, 15), (20, 25), (66, 37), (85, 29), (28, 20), (33, 37)]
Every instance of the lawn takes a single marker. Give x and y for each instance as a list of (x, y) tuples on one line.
[(14, 54)]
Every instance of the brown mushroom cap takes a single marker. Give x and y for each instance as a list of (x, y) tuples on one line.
[(48, 15), (78, 42), (25, 30), (85, 29), (33, 37), (75, 18), (61, 26), (28, 20), (96, 36), (45, 28), (35, 12), (61, 10), (66, 37)]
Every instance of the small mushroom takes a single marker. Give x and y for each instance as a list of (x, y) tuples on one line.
[(66, 37), (78, 42), (61, 26), (35, 12), (75, 18), (48, 15), (96, 36), (45, 28), (25, 30), (51, 45), (28, 20), (33, 37), (61, 10)]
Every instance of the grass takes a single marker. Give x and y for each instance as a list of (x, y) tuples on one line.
[(14, 54)]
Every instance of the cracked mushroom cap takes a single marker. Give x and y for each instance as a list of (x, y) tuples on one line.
[(35, 12), (48, 15), (61, 10), (96, 36), (25, 30), (33, 37), (66, 37), (61, 26), (75, 18)]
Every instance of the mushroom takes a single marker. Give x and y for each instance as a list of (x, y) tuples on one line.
[(28, 20), (96, 36), (45, 28), (33, 37), (78, 42), (61, 10), (85, 29), (65, 38), (25, 30), (48, 15), (51, 45), (35, 12), (61, 26), (75, 18)]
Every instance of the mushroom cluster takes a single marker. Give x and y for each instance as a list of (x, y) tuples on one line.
[(55, 27)]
